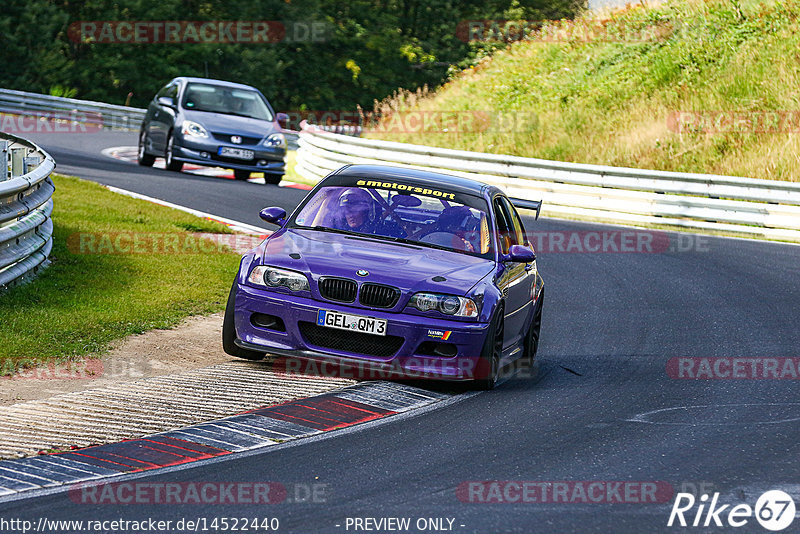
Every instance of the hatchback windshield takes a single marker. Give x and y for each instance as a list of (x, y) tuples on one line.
[(227, 100), (446, 221)]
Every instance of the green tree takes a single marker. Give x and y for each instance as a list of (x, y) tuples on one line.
[(371, 47)]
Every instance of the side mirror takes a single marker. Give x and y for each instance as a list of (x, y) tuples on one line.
[(520, 254), (274, 215), (166, 101), (282, 119)]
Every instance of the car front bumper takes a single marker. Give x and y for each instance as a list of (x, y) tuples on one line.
[(204, 152), (413, 359)]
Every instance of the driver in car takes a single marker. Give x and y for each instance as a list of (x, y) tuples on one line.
[(359, 212)]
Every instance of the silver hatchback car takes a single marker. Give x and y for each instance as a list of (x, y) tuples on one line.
[(213, 123)]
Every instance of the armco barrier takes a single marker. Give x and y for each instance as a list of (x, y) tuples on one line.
[(26, 190), (744, 206), (85, 111)]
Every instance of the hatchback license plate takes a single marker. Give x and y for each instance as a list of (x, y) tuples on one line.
[(354, 323), (238, 153)]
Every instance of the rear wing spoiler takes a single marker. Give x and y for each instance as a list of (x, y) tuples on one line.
[(535, 205)]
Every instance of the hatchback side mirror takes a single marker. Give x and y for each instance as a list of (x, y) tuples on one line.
[(274, 215), (282, 119), (520, 254), (166, 101)]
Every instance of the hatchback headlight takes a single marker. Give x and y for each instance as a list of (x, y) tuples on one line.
[(264, 275), (446, 304), (193, 129), (276, 140)]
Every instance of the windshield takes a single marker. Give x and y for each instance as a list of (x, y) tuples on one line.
[(227, 100), (433, 219)]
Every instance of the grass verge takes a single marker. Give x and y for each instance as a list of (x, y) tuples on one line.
[(692, 86), (83, 301)]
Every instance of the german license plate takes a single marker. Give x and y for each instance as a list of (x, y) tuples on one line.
[(238, 153), (354, 323)]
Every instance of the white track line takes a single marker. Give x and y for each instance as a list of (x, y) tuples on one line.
[(233, 225)]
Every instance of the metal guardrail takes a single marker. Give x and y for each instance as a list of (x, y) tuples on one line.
[(26, 190), (97, 114), (746, 206), (81, 111)]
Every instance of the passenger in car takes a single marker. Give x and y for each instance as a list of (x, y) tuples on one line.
[(461, 224)]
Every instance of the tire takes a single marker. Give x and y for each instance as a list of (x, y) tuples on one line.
[(489, 362), (142, 157), (534, 331), (272, 179), (229, 332), (169, 160), (241, 175)]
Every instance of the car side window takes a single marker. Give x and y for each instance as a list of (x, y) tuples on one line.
[(516, 222), (505, 227), (163, 91), (170, 90)]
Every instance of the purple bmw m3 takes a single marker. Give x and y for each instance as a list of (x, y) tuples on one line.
[(404, 272)]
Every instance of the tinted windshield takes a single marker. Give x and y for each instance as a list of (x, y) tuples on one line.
[(435, 219), (218, 99)]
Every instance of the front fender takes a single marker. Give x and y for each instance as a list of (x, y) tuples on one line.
[(488, 295)]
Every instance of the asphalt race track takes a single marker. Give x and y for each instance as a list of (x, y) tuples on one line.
[(79, 155), (603, 407)]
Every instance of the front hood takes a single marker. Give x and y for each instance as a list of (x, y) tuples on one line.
[(231, 124), (409, 268)]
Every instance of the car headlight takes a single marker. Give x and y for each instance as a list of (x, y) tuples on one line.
[(193, 129), (446, 304), (264, 275), (276, 140)]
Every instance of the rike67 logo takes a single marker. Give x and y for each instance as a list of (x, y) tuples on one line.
[(774, 510)]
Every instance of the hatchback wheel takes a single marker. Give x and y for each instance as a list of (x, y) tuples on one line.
[(169, 158), (142, 157)]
